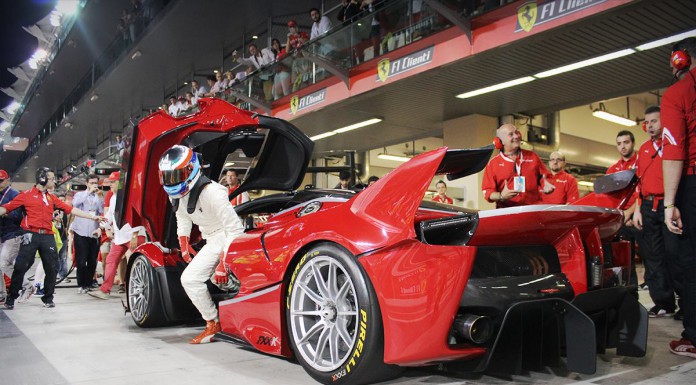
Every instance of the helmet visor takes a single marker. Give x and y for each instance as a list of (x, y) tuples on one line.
[(174, 177)]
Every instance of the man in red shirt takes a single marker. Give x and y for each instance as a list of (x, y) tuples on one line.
[(679, 172), (649, 216), (441, 195), (515, 176), (566, 186), (625, 143), (39, 205)]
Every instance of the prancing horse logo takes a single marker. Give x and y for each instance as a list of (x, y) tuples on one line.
[(527, 15), (383, 69), (294, 104)]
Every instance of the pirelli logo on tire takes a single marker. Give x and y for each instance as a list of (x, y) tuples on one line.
[(294, 276), (360, 343)]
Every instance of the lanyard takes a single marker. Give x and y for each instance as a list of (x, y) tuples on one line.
[(518, 166), (3, 195)]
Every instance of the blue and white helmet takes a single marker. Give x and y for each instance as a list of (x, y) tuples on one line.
[(179, 168)]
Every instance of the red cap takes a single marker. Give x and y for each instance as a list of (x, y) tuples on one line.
[(3, 175), (114, 176), (292, 23)]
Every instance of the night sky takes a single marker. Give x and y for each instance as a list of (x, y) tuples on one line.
[(16, 45)]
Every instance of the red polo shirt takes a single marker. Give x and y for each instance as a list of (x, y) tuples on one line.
[(502, 169), (440, 199), (678, 117), (649, 169), (566, 190), (39, 207)]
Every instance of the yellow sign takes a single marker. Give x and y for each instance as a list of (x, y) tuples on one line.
[(527, 15), (294, 104), (383, 69)]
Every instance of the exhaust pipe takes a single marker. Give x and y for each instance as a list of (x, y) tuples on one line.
[(475, 328)]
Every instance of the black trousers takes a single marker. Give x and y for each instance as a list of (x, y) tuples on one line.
[(686, 260), (45, 244), (658, 242), (86, 253)]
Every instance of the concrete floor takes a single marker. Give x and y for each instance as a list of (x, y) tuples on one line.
[(89, 341)]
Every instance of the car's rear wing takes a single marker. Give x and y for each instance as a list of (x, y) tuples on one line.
[(460, 163), (611, 191)]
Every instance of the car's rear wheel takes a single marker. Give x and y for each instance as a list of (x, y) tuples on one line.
[(334, 321), (144, 294)]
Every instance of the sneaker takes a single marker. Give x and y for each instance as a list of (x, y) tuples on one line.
[(211, 327), (683, 347), (49, 304), (2, 300), (82, 290), (658, 312), (643, 286), (26, 294), (99, 294), (9, 303), (679, 316), (40, 292), (121, 289)]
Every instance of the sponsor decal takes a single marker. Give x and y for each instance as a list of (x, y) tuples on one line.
[(300, 103), (533, 13), (387, 68), (360, 345), (268, 341)]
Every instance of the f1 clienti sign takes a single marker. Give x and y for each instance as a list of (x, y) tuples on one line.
[(387, 68), (533, 13), (300, 103)]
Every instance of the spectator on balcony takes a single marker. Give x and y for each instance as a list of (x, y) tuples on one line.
[(256, 58), (281, 77), (296, 38), (349, 11), (321, 24), (217, 85), (197, 90), (173, 108)]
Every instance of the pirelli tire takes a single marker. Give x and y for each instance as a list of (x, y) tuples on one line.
[(144, 294), (334, 320)]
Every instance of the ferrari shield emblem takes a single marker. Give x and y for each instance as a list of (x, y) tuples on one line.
[(294, 103), (527, 15), (383, 69)]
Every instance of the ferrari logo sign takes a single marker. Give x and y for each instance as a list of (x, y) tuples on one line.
[(533, 13), (383, 69), (527, 15), (298, 103), (294, 103)]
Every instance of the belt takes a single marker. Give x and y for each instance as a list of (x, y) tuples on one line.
[(41, 231), (653, 197)]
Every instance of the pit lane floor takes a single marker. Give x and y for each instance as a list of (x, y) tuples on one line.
[(89, 341)]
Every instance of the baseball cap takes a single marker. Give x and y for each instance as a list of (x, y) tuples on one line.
[(3, 175), (292, 23), (114, 176)]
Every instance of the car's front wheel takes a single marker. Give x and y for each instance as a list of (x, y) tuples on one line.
[(333, 318), (144, 294)]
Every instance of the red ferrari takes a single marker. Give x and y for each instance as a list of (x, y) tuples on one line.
[(357, 285)]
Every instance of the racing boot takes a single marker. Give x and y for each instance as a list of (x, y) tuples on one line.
[(211, 327)]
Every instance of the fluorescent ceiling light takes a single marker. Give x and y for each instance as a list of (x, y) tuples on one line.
[(322, 136), (614, 118), (4, 125), (13, 107), (666, 40), (586, 63), (394, 157), (67, 7), (496, 87), (586, 183), (357, 125)]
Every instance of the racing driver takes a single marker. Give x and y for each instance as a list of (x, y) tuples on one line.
[(198, 200)]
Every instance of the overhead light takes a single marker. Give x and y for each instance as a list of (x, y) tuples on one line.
[(395, 158), (255, 37), (36, 157), (67, 7), (94, 97), (322, 136), (216, 71), (185, 83), (49, 143), (346, 128), (496, 87), (586, 63), (68, 125), (586, 183), (357, 125), (55, 19), (4, 125), (136, 55), (666, 40), (602, 113), (13, 107)]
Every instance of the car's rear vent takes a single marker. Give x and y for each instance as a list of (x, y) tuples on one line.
[(515, 261), (456, 230)]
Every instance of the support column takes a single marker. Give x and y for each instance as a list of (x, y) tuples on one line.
[(470, 131)]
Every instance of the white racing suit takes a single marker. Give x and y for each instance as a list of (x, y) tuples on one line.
[(219, 226)]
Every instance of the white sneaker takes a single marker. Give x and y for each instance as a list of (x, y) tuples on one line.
[(25, 295), (99, 294), (82, 290)]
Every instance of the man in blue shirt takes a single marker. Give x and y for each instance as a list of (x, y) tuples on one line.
[(86, 233), (10, 235)]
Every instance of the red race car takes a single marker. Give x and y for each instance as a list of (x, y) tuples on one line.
[(357, 285)]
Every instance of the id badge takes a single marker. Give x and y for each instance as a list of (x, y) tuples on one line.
[(519, 185)]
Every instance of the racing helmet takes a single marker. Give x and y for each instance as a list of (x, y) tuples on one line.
[(179, 168)]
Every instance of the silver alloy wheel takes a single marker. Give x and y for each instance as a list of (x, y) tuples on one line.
[(138, 289), (324, 313)]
